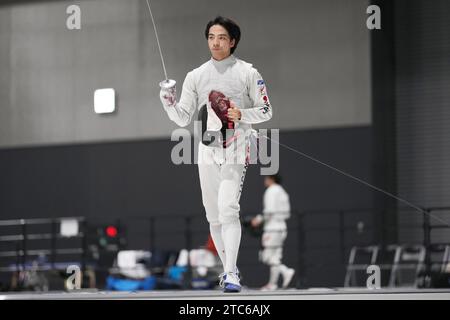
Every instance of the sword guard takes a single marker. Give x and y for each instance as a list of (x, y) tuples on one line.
[(167, 84)]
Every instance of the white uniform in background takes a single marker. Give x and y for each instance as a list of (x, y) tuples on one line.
[(222, 170), (276, 211)]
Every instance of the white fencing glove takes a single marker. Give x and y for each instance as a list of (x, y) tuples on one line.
[(168, 93)]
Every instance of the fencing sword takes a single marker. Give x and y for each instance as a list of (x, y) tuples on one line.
[(167, 84)]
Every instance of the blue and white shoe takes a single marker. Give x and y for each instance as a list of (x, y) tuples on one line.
[(221, 280), (231, 282), (223, 275)]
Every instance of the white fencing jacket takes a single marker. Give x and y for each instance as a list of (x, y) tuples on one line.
[(276, 208), (237, 79)]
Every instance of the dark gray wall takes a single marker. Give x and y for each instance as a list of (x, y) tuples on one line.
[(422, 31), (106, 182), (384, 123), (314, 56)]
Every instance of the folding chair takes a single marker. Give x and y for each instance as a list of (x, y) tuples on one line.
[(360, 258), (410, 260)]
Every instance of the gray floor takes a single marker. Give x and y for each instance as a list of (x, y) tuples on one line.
[(310, 294)]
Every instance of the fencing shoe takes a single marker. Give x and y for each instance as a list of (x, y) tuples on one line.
[(287, 277), (231, 282), (222, 277), (269, 287)]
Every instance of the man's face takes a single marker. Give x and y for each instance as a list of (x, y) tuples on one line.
[(219, 42)]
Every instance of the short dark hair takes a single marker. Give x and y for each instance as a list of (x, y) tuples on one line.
[(276, 178), (233, 29)]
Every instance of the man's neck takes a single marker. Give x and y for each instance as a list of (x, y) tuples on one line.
[(220, 59)]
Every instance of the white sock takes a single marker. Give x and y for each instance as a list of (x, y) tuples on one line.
[(231, 235), (283, 268), (216, 234), (274, 275)]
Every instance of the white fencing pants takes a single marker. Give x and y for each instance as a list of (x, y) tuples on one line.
[(222, 173), (272, 242)]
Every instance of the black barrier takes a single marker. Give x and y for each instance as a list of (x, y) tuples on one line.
[(193, 226)]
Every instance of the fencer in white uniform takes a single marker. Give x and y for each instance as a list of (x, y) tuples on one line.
[(232, 95), (276, 211)]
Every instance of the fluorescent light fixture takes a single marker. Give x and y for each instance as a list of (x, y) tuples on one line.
[(104, 100)]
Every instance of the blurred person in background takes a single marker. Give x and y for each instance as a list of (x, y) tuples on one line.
[(276, 210)]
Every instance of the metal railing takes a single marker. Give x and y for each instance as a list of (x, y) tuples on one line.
[(348, 228), (23, 240)]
